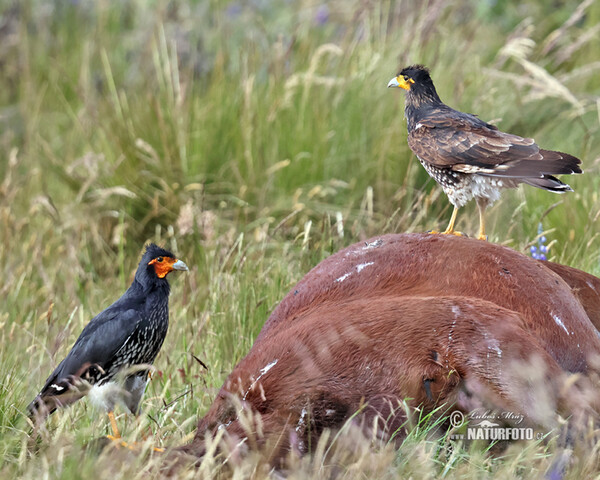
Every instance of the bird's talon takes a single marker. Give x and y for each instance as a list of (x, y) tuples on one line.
[(452, 232), (455, 233), (118, 442), (129, 446)]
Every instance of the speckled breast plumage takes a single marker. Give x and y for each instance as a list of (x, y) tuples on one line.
[(142, 346), (462, 187)]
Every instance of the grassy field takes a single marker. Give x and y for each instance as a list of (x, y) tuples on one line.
[(254, 138)]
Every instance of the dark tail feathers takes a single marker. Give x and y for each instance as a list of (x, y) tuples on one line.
[(539, 172), (61, 393), (548, 182)]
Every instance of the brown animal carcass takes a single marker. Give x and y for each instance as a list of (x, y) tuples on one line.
[(427, 320)]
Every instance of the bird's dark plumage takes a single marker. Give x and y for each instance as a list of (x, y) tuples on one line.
[(468, 157), (130, 332)]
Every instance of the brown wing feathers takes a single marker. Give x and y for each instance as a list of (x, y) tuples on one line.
[(490, 152)]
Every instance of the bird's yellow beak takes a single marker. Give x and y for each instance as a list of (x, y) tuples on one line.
[(399, 82)]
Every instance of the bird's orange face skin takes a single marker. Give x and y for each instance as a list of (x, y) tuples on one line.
[(162, 265)]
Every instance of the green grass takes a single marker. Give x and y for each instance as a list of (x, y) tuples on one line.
[(239, 137)]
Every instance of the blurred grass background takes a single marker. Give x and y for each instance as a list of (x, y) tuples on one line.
[(254, 138)]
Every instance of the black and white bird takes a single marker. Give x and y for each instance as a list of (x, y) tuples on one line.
[(468, 157), (110, 360)]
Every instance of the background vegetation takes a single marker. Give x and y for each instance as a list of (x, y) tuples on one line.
[(254, 138)]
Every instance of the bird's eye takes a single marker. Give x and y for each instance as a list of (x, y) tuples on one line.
[(405, 78), (159, 259)]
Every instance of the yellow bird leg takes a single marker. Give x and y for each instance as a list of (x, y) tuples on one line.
[(450, 230), (481, 206), (113, 424), (116, 436)]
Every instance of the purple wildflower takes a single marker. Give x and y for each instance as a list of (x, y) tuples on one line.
[(234, 10), (539, 252), (322, 14)]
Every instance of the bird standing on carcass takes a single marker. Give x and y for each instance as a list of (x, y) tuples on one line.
[(469, 157), (411, 321), (126, 335)]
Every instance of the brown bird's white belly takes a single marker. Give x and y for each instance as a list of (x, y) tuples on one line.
[(461, 187)]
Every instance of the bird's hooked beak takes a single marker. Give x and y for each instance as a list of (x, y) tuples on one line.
[(164, 265), (399, 82), (179, 265)]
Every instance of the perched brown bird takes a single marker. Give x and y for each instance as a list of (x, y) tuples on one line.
[(469, 157), (121, 341)]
